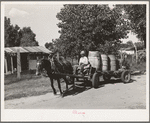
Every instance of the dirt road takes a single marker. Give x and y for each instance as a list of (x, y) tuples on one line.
[(110, 95)]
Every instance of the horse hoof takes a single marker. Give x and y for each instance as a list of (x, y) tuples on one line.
[(62, 95), (64, 91), (55, 93)]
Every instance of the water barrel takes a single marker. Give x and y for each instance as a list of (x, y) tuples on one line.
[(112, 62), (94, 59), (104, 62)]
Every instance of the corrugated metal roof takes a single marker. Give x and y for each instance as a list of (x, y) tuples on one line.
[(44, 49), (35, 49), (22, 50), (30, 49), (9, 50)]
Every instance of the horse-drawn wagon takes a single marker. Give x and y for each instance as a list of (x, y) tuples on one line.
[(100, 65)]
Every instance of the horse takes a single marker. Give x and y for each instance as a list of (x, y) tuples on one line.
[(56, 66)]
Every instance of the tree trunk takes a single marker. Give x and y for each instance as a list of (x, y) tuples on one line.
[(144, 41), (145, 44)]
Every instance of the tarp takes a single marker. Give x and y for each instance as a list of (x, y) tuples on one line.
[(34, 49)]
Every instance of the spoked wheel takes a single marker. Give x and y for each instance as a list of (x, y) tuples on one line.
[(126, 76), (106, 77), (95, 80)]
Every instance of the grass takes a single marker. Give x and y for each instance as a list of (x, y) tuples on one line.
[(139, 67), (12, 78), (29, 85)]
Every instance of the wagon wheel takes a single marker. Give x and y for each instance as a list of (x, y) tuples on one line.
[(95, 80), (125, 76), (106, 77)]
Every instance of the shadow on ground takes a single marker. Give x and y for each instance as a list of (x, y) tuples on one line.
[(80, 86), (113, 81)]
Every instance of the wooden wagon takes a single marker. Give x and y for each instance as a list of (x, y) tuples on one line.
[(101, 65)]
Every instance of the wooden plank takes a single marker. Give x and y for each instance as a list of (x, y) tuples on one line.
[(71, 75)]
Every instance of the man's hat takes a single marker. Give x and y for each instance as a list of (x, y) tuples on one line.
[(82, 53)]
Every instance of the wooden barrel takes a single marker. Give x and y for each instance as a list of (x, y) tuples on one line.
[(104, 62), (112, 62), (94, 59)]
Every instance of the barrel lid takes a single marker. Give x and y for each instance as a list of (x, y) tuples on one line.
[(94, 53)]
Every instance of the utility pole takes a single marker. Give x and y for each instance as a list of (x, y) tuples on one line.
[(136, 55)]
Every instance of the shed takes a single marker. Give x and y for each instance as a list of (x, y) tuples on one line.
[(130, 50), (28, 57)]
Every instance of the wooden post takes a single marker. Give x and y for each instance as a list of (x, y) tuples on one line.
[(6, 65), (18, 64), (28, 61), (20, 61), (37, 58), (136, 55), (12, 67), (121, 58)]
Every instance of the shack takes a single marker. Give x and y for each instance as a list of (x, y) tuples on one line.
[(130, 50), (28, 57)]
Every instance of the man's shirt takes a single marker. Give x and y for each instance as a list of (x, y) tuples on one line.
[(83, 60)]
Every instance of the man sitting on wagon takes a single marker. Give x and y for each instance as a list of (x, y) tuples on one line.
[(83, 62)]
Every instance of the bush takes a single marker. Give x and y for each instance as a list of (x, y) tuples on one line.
[(141, 56)]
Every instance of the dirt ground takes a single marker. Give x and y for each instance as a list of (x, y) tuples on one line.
[(110, 95)]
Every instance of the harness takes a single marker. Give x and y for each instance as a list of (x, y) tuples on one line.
[(55, 67)]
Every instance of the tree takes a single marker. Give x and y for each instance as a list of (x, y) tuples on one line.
[(109, 48), (87, 27), (49, 45), (140, 45), (27, 37), (137, 15), (130, 44), (12, 34)]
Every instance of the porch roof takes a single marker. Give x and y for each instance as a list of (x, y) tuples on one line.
[(34, 49)]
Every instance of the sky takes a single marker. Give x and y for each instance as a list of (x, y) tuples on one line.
[(42, 20)]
